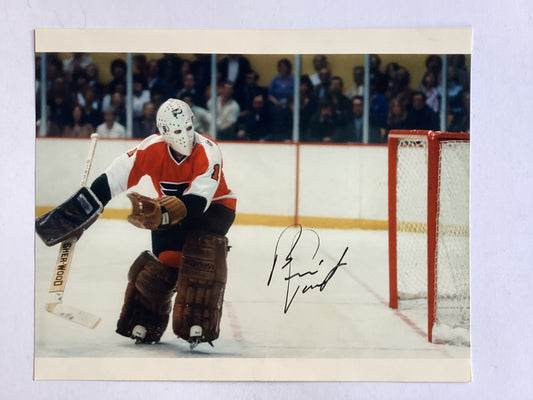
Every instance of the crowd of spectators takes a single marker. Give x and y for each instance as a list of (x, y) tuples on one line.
[(330, 110)]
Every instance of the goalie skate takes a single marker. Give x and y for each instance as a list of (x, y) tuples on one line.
[(195, 337), (138, 333)]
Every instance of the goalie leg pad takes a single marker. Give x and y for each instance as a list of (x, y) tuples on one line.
[(69, 219), (148, 298), (201, 285)]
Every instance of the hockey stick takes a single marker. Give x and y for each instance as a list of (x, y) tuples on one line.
[(66, 250)]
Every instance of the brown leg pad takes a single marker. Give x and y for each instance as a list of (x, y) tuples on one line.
[(201, 285), (148, 298)]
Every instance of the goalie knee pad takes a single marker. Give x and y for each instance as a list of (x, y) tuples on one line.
[(200, 289), (148, 299)]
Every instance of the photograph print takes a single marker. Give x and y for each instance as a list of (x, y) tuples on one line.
[(298, 213)]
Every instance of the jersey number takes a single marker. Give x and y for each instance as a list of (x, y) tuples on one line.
[(216, 172)]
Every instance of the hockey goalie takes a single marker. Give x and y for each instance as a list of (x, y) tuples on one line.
[(188, 223)]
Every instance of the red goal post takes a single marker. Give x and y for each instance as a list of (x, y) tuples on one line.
[(428, 227)]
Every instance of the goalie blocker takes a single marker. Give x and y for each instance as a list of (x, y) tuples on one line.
[(69, 219)]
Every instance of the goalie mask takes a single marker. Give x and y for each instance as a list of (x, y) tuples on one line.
[(175, 123)]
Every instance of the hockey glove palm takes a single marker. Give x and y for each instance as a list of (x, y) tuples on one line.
[(155, 214)]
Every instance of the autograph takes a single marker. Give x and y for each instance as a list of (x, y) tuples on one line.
[(297, 276)]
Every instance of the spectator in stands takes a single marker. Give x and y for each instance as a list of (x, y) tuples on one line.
[(94, 80), (184, 70), (141, 95), (140, 65), (352, 132), (156, 99), (234, 68), (256, 124), (74, 128), (434, 65), (91, 113), (325, 79), (308, 103), (60, 111), (397, 116), (377, 116), (250, 91), (341, 105), (429, 87), (118, 107), (189, 87), (155, 83), (461, 119), (201, 68), (110, 128), (60, 85), (458, 62), (376, 77), (54, 70), (453, 92), (169, 67), (319, 61), (280, 90), (227, 112), (358, 87), (77, 85), (202, 117), (390, 76), (282, 85), (322, 126), (120, 88), (400, 87), (78, 62), (420, 116), (144, 125), (118, 70)]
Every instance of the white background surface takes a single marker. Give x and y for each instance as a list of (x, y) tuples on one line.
[(501, 177)]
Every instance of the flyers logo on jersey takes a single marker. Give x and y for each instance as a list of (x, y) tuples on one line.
[(173, 189)]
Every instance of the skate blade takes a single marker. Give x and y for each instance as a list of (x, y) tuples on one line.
[(193, 344)]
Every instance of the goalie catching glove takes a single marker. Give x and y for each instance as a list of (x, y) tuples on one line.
[(155, 214)]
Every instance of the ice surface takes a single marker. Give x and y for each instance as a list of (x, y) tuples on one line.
[(349, 318)]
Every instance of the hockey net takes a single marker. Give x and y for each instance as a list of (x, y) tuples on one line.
[(429, 229)]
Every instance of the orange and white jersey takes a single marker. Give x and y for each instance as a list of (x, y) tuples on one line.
[(198, 174)]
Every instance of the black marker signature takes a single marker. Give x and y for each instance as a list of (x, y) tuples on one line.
[(290, 295)]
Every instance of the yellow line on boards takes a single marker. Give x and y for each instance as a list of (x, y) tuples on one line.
[(266, 220)]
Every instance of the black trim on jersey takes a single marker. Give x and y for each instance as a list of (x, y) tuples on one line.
[(101, 189), (195, 205)]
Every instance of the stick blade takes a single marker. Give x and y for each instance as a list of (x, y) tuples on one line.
[(73, 314)]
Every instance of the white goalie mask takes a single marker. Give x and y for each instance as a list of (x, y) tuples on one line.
[(175, 122)]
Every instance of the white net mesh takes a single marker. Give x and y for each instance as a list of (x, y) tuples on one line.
[(452, 306), (411, 218), (452, 273)]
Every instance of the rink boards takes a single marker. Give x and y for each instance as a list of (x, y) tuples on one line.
[(319, 185)]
